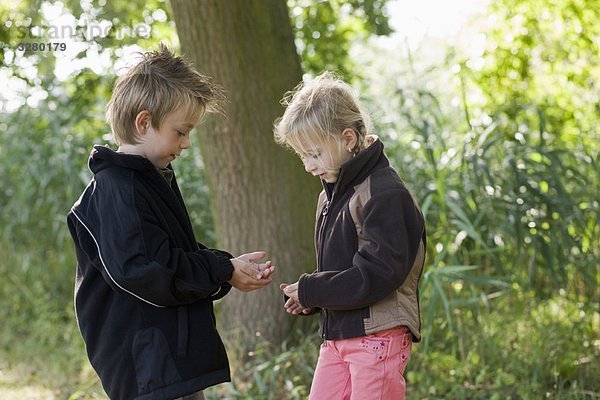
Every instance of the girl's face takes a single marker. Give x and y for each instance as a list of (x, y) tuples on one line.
[(324, 160)]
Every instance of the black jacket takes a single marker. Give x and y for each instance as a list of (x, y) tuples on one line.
[(370, 242), (144, 286)]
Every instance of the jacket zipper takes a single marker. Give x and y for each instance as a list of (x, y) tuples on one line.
[(321, 234)]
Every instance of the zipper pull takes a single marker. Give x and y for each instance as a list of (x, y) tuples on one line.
[(325, 209)]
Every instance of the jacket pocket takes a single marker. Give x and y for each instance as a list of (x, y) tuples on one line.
[(154, 364)]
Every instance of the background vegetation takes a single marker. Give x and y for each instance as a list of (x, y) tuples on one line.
[(497, 139)]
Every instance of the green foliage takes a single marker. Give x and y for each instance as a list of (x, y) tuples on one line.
[(325, 30), (92, 39), (523, 349), (539, 58), (191, 178), (39, 340), (42, 150), (43, 153), (533, 107), (112, 25)]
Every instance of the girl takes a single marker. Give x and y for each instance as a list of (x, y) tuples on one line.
[(370, 243)]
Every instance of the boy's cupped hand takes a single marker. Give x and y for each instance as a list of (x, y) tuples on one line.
[(249, 275)]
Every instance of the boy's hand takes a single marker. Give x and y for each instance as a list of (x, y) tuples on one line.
[(292, 305), (248, 275), (261, 270)]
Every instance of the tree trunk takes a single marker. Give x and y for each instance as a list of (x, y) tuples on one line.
[(262, 197)]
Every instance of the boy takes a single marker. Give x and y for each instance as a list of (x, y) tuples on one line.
[(145, 288)]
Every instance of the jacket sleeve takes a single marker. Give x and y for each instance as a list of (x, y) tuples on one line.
[(393, 228), (136, 257), (314, 310), (225, 286)]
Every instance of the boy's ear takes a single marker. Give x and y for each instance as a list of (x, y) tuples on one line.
[(142, 121), (350, 139)]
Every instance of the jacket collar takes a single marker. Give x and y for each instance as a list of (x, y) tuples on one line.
[(103, 157), (355, 170)]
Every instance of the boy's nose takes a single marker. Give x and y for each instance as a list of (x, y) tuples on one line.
[(185, 142)]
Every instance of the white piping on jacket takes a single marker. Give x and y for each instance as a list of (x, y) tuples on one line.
[(104, 265)]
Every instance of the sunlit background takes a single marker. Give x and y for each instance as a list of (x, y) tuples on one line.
[(426, 23)]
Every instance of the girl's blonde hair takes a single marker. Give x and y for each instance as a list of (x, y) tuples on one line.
[(160, 83), (318, 111)]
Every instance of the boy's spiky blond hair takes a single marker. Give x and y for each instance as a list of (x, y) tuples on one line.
[(160, 83)]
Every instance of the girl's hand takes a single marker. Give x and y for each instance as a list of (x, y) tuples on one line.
[(292, 305), (290, 291)]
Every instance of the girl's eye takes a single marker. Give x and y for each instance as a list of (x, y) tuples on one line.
[(180, 133), (314, 156)]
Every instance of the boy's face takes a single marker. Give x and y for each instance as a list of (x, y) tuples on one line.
[(162, 146)]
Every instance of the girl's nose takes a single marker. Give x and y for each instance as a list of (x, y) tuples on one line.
[(308, 165)]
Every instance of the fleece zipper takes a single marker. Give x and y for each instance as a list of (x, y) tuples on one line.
[(320, 260), (321, 241)]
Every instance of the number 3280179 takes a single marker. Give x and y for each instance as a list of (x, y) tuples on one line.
[(35, 46)]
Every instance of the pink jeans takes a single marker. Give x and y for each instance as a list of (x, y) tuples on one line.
[(364, 368)]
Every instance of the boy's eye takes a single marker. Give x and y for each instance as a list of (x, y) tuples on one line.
[(181, 133)]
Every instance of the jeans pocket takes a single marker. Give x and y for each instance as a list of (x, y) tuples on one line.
[(377, 346), (405, 349)]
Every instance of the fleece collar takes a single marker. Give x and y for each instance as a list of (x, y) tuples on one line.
[(355, 170)]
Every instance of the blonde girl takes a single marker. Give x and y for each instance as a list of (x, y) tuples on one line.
[(370, 244)]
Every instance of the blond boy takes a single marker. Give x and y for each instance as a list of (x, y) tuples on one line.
[(144, 286)]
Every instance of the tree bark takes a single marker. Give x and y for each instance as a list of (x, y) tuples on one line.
[(262, 197)]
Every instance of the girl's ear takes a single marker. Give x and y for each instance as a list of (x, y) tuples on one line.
[(142, 122), (350, 139)]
